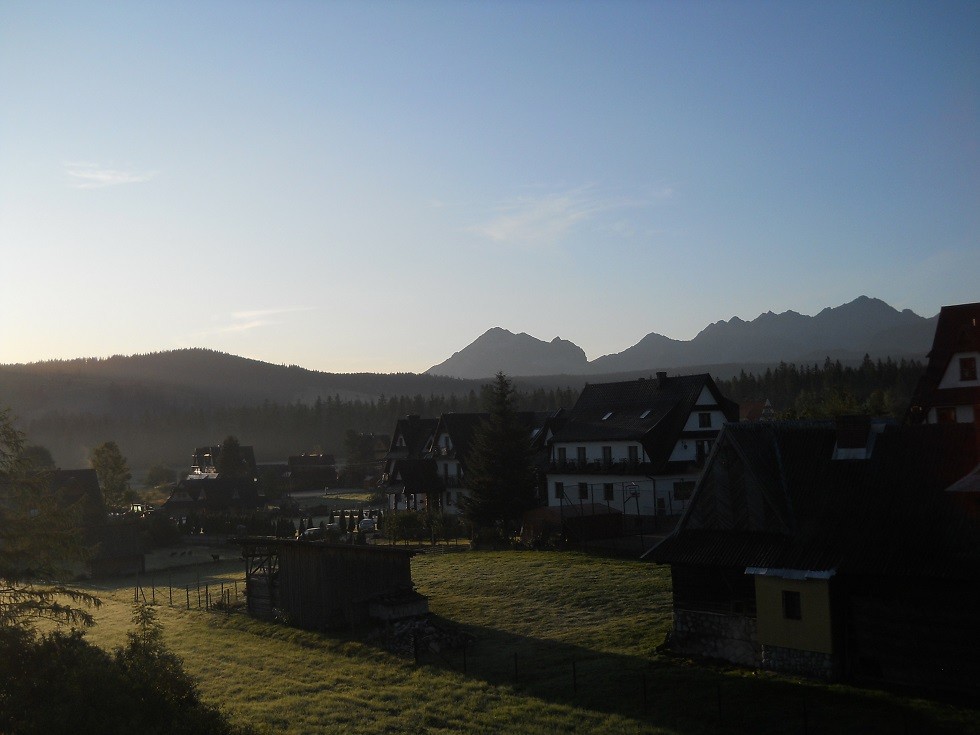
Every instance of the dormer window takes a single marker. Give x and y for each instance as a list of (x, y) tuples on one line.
[(608, 415), (968, 368)]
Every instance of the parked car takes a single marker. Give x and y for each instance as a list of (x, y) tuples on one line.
[(367, 525)]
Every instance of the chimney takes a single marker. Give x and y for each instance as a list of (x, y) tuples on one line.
[(661, 379)]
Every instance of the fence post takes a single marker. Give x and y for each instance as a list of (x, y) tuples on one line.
[(153, 589), (187, 591), (170, 588), (207, 597)]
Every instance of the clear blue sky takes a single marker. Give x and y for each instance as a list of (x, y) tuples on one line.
[(370, 186)]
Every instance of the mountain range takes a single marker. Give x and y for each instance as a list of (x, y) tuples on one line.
[(846, 332)]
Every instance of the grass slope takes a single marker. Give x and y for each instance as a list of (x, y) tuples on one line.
[(531, 615)]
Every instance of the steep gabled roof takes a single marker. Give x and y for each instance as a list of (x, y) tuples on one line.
[(774, 496), (461, 428), (651, 411), (416, 432), (958, 330), (215, 494)]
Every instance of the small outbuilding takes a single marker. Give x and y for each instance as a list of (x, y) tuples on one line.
[(319, 585)]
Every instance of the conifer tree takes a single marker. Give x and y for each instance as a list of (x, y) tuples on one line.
[(499, 468), (39, 543)]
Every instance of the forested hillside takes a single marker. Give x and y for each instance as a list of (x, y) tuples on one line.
[(275, 430), (158, 408)]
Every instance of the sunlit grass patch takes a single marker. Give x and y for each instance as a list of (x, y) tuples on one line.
[(561, 643)]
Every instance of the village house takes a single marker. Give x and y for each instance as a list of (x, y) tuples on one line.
[(949, 392), (436, 470), (637, 446), (832, 551), (114, 542), (409, 477), (204, 491)]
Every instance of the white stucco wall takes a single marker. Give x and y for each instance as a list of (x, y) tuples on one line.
[(951, 378)]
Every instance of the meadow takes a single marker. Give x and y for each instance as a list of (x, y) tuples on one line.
[(559, 643)]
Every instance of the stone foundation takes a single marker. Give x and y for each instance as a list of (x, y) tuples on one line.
[(716, 635), (793, 661)]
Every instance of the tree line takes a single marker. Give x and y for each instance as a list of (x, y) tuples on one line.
[(276, 430), (167, 435), (876, 387)]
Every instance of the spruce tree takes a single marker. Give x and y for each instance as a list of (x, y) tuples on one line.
[(499, 468)]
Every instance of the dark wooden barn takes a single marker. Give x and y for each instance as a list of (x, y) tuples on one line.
[(318, 585)]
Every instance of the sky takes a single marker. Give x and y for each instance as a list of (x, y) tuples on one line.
[(370, 186)]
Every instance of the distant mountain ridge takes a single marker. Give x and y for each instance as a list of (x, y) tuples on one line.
[(849, 331), (525, 355)]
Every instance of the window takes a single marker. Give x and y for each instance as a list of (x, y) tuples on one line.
[(968, 368), (792, 609), (704, 420), (632, 454), (702, 448), (562, 455), (946, 415), (683, 489), (607, 455), (449, 497), (559, 489), (583, 491), (607, 491), (580, 455)]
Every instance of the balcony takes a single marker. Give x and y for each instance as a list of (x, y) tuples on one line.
[(597, 467)]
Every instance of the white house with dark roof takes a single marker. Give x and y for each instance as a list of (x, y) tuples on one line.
[(949, 392), (637, 446)]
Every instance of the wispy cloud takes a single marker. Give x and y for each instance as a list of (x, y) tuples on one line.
[(239, 322), (547, 219), (93, 176)]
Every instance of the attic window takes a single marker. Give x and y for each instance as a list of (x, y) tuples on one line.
[(607, 416), (968, 368), (645, 414)]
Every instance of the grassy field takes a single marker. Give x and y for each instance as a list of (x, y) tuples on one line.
[(561, 643)]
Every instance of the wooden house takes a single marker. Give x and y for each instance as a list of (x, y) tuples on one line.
[(115, 543), (832, 551), (949, 392), (318, 585)]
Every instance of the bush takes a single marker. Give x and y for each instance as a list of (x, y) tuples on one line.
[(59, 682)]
